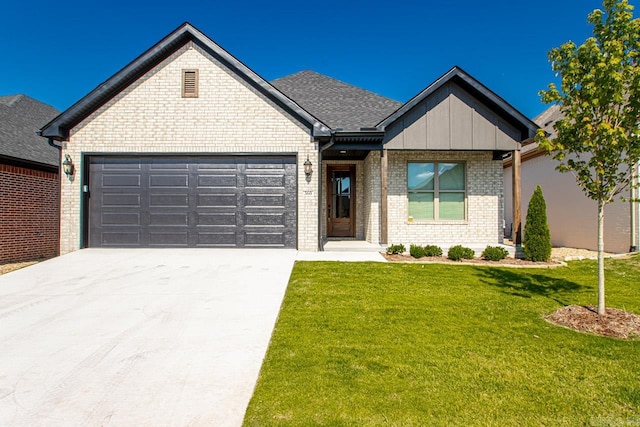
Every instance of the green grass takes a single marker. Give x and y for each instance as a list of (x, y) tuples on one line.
[(367, 344)]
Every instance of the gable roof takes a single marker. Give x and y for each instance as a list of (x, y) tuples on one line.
[(338, 104), (59, 127), (20, 119), (474, 87)]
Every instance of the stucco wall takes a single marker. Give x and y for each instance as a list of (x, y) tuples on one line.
[(229, 117), (483, 225), (572, 216)]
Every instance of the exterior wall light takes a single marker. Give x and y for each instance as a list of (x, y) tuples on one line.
[(308, 167), (67, 165)]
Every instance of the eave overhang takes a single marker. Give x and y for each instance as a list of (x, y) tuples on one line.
[(60, 126)]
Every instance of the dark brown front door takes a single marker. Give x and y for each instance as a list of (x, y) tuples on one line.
[(341, 198)]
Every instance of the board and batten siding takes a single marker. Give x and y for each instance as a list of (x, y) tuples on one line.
[(451, 119)]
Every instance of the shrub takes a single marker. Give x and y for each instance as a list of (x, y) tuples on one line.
[(416, 251), (459, 252), (494, 253), (432, 250), (396, 249), (537, 240)]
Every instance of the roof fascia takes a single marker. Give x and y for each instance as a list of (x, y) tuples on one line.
[(527, 126), (59, 127)]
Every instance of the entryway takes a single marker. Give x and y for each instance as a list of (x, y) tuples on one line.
[(341, 196)]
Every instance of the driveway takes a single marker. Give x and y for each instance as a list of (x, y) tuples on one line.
[(145, 337)]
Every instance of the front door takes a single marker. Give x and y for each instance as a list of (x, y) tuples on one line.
[(341, 198)]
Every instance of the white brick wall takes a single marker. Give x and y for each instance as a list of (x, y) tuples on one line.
[(372, 188), (485, 202), (229, 116)]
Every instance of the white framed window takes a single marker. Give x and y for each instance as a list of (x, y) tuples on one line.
[(437, 190)]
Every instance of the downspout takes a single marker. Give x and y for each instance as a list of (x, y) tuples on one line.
[(59, 195)]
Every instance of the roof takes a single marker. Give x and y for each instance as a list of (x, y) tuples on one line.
[(338, 104), (527, 127), (545, 120), (59, 127), (20, 119)]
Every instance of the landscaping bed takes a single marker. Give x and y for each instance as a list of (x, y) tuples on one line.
[(475, 261)]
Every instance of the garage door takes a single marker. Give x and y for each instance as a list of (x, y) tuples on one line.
[(192, 202)]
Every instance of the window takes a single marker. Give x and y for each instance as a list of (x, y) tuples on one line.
[(189, 83), (438, 196)]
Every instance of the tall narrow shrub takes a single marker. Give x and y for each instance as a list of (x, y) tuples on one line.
[(537, 240)]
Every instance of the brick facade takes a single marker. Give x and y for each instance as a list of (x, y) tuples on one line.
[(484, 202), (228, 117), (29, 212)]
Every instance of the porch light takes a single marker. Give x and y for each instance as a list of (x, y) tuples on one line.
[(308, 167), (67, 165)]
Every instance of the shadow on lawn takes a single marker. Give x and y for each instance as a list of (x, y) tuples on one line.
[(526, 285)]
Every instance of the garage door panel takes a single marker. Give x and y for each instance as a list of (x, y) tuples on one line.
[(169, 219), (258, 181), (217, 219), (110, 181), (168, 239), (121, 200), (169, 200), (217, 200), (172, 181), (193, 201), (265, 219), (120, 219), (120, 238), (264, 200), (220, 238), (215, 181), (264, 239)]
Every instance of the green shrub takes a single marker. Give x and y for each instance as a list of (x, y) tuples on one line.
[(459, 252), (494, 253), (416, 251), (396, 249), (537, 239), (432, 250)]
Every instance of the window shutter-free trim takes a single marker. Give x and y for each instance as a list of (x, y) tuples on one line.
[(189, 83)]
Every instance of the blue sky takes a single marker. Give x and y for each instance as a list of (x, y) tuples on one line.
[(58, 51)]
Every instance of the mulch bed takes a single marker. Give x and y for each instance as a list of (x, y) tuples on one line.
[(478, 261), (7, 268), (614, 323)]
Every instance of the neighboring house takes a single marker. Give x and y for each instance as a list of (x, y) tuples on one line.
[(187, 147), (572, 216), (29, 184)]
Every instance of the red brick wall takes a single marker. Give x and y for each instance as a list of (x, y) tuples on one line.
[(29, 214)]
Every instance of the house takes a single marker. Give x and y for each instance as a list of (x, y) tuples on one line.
[(187, 147), (572, 216), (29, 185)]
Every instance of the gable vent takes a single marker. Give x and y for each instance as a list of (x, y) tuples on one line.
[(189, 83)]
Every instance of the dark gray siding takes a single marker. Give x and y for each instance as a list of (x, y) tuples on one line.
[(192, 201), (451, 119)]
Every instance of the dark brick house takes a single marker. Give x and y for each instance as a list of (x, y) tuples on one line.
[(29, 182)]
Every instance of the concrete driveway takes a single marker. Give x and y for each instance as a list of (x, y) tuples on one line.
[(145, 337)]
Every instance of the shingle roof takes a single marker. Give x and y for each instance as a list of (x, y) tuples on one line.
[(20, 118), (545, 120), (337, 104)]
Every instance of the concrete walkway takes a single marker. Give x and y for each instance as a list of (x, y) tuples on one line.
[(137, 337)]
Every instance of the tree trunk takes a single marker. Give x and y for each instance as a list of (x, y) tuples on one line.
[(601, 306)]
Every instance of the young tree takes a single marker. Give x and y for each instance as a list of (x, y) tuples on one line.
[(537, 239), (598, 139)]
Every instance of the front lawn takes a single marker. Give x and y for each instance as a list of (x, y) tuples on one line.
[(368, 344)]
